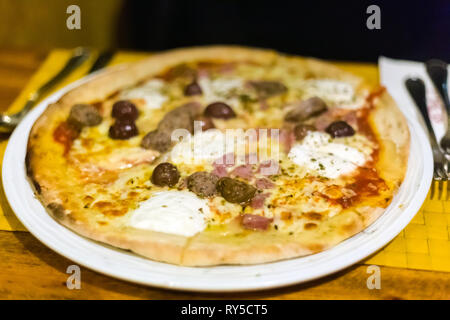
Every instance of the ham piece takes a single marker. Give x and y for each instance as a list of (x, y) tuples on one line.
[(255, 222)]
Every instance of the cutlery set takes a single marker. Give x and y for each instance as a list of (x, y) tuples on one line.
[(437, 71)]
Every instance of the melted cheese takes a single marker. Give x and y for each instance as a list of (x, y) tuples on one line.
[(220, 89), (205, 146), (119, 159), (339, 93), (318, 153), (175, 212), (150, 92)]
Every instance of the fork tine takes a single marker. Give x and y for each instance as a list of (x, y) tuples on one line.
[(448, 191), (441, 188), (447, 180), (445, 190), (433, 184), (432, 189)]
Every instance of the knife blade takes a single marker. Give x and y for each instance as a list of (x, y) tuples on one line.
[(102, 60)]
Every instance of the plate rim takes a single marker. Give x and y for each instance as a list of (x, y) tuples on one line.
[(22, 133)]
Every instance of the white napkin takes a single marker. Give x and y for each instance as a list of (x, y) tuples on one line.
[(393, 74)]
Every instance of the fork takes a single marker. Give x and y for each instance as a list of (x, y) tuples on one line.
[(416, 89), (9, 122), (437, 70)]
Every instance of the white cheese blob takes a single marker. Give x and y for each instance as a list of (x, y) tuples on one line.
[(150, 92), (337, 92), (220, 89), (204, 146), (319, 154), (175, 212)]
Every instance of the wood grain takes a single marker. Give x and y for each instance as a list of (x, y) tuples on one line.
[(32, 271), (29, 270), (16, 68)]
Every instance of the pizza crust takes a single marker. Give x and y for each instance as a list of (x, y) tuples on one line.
[(207, 248)]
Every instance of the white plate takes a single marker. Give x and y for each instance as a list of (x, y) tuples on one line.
[(127, 266)]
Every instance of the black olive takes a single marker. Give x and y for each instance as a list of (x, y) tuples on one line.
[(301, 131), (192, 89), (84, 115), (219, 110), (124, 110), (235, 191), (122, 130), (340, 129), (165, 174)]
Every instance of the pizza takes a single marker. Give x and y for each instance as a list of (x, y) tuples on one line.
[(219, 155)]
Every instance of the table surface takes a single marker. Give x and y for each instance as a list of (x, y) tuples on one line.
[(29, 270)]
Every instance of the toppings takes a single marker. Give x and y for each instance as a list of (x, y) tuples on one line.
[(171, 211), (306, 109), (203, 183), (340, 129), (123, 129), (326, 118), (268, 168), (235, 191), (157, 140), (81, 115), (84, 115), (125, 113), (255, 222), (287, 139), (165, 174), (192, 89), (319, 154), (258, 200), (65, 134), (263, 183), (337, 93), (199, 149), (124, 110), (301, 131), (180, 71), (149, 95), (178, 118), (266, 89), (219, 110), (205, 123), (220, 170), (244, 171)]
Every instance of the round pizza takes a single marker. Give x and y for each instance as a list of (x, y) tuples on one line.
[(219, 155)]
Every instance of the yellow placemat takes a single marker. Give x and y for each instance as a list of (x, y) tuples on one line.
[(423, 244)]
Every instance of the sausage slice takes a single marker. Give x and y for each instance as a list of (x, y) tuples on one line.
[(84, 115), (203, 183), (306, 109)]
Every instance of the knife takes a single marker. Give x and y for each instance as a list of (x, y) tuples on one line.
[(102, 60), (9, 122)]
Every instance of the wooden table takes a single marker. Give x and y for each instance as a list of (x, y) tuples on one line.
[(29, 270)]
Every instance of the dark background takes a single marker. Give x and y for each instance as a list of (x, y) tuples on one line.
[(416, 30)]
